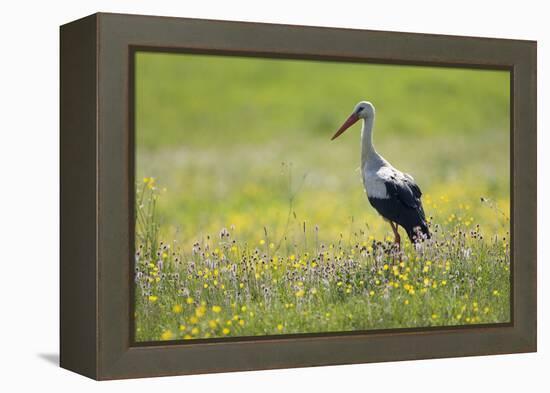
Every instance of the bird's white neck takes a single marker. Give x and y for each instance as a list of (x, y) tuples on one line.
[(369, 155)]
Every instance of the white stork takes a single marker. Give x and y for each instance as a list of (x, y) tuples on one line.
[(393, 194)]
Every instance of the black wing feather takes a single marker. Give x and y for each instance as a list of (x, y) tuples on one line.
[(418, 194), (414, 188), (404, 193), (403, 206)]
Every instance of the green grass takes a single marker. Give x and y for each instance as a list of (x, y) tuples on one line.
[(204, 100), (244, 144)]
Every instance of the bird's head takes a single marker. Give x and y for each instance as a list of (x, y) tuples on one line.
[(363, 110)]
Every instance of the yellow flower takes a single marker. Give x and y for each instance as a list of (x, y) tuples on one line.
[(495, 292), (271, 245), (216, 309), (386, 267), (262, 242), (241, 285), (190, 300), (434, 316), (187, 337), (226, 331), (371, 293), (200, 311), (241, 322), (153, 298), (182, 327), (195, 331), (212, 323), (406, 301), (167, 335), (280, 327), (300, 293), (177, 309), (243, 308)]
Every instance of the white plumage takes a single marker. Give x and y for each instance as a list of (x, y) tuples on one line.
[(375, 178)]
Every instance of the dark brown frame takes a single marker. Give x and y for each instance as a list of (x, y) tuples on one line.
[(97, 195)]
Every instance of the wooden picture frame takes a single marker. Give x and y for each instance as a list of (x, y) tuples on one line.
[(97, 195)]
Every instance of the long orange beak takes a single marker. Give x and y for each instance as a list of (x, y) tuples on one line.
[(347, 124)]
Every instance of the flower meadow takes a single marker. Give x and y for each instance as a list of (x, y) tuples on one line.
[(222, 285), (250, 221)]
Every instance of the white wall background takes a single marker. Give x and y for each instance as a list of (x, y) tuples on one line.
[(29, 193)]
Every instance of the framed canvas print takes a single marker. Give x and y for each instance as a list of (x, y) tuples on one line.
[(241, 196)]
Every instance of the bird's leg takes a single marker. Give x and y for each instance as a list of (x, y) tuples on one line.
[(394, 227), (395, 230)]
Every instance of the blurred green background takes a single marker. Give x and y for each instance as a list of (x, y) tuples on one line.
[(231, 140)]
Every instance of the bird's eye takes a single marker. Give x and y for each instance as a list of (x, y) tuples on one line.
[(359, 109)]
